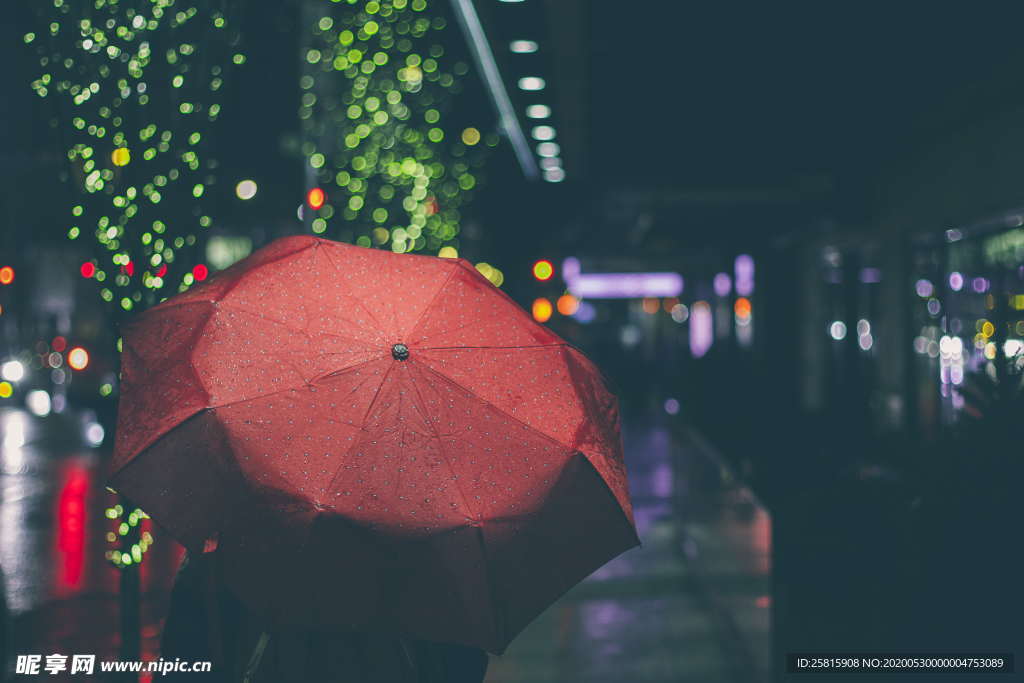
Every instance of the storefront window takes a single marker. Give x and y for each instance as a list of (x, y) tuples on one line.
[(967, 310)]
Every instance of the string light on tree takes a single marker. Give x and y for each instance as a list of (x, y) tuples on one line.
[(136, 89), (246, 190), (379, 120)]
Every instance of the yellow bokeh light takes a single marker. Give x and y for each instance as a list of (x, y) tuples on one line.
[(6, 389), (497, 277), (568, 304), (542, 310), (448, 252), (471, 136), (121, 156)]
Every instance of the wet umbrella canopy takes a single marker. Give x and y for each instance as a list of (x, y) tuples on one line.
[(373, 441)]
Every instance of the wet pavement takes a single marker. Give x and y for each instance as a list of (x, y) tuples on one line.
[(61, 592), (692, 604)]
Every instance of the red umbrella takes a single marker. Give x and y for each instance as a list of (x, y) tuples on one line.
[(373, 441)]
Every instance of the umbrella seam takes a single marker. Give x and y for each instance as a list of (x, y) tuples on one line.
[(210, 408), (467, 266), (502, 410), (230, 306), (288, 361), (475, 518), (284, 389), (160, 308), (250, 270), (433, 300), (525, 346), (192, 341), (362, 428), (359, 301)]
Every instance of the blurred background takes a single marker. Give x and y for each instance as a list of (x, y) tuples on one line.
[(792, 237)]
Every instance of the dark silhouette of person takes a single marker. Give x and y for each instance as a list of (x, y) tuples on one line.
[(206, 622)]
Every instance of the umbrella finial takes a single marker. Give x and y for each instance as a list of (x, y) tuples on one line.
[(400, 352)]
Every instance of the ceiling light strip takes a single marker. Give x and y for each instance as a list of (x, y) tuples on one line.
[(474, 33)]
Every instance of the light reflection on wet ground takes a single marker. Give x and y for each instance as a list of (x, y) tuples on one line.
[(692, 604), (61, 592)]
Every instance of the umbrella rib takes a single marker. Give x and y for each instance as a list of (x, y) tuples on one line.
[(433, 300), (525, 346), (167, 305), (292, 388), (498, 408), (218, 306), (446, 331), (475, 516), (359, 301), (244, 273), (229, 305), (362, 426), (282, 323), (342, 371)]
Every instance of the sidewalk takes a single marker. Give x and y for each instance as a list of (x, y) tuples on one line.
[(691, 604)]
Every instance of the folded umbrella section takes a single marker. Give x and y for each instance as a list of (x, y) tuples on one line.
[(373, 441)]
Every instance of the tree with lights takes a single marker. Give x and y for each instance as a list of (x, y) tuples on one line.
[(135, 88), (380, 134)]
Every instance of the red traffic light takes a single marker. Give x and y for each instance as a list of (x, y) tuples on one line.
[(316, 198)]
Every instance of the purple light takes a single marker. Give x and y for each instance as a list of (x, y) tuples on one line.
[(585, 312), (625, 285), (619, 285), (924, 288), (672, 406), (723, 284), (744, 268), (570, 268), (979, 284), (870, 276), (956, 281), (701, 329), (662, 476)]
